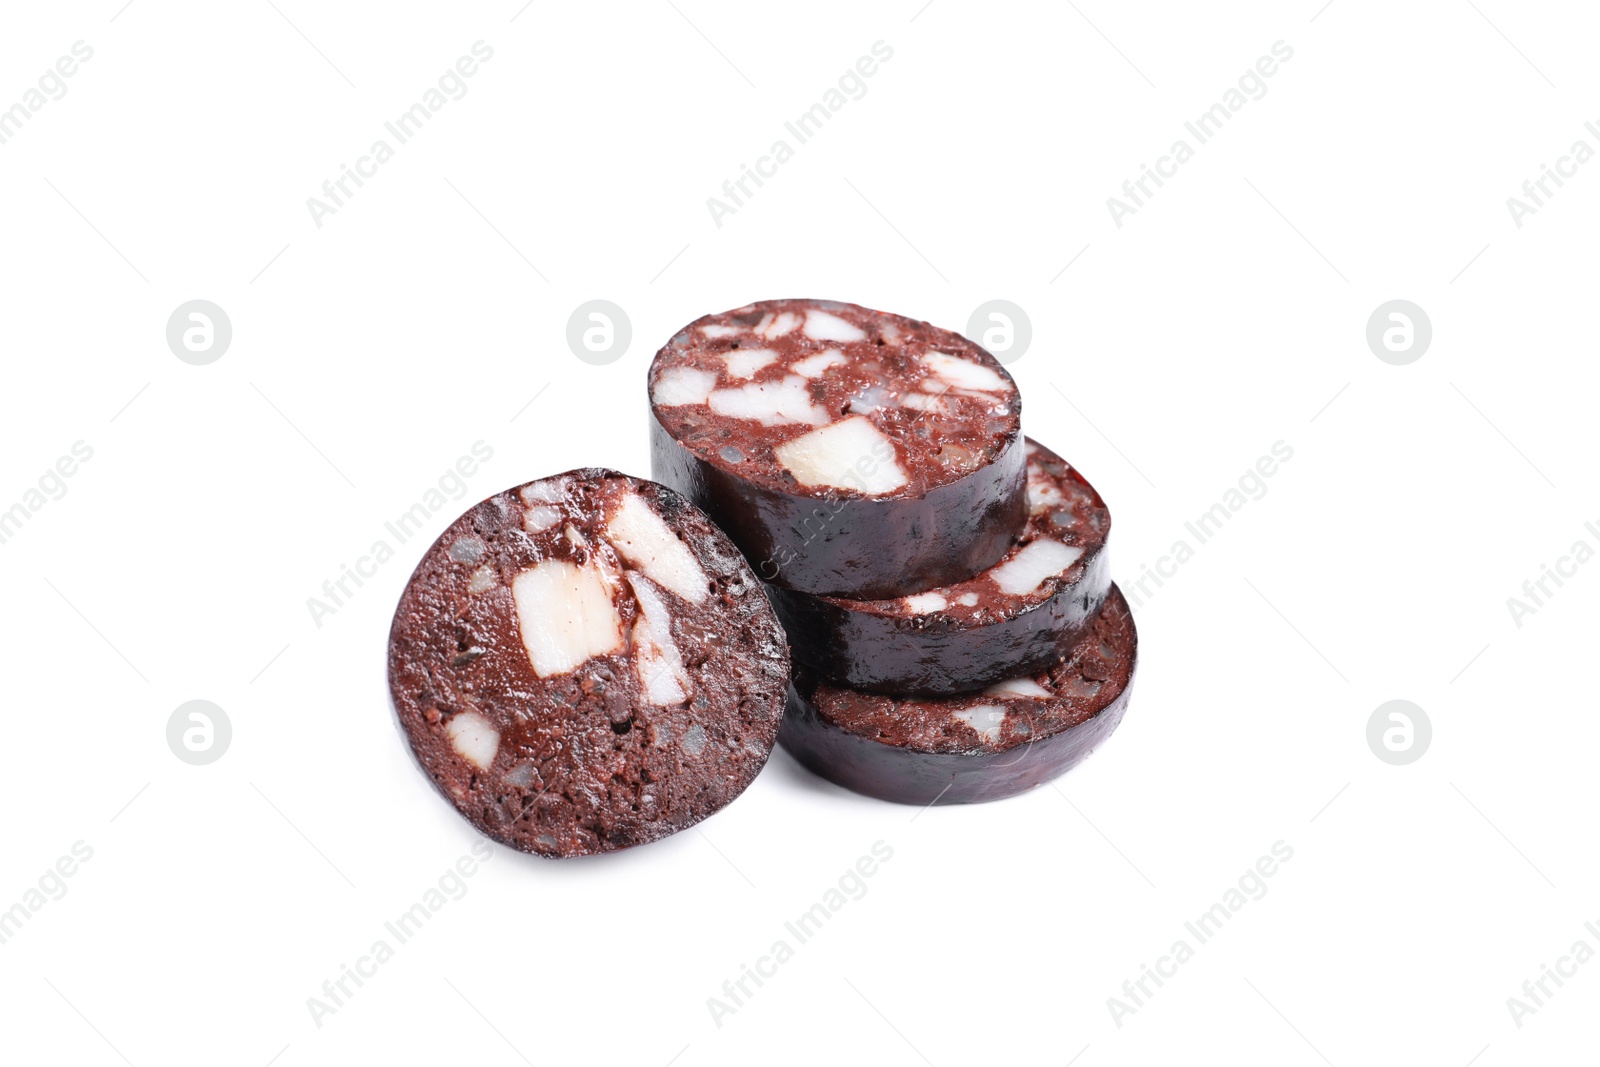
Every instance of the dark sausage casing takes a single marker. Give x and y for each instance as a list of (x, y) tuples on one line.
[(971, 747), (1013, 618)]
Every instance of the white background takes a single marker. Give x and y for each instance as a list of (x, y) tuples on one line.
[(1227, 314)]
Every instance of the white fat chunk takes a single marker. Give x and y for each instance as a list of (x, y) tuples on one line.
[(923, 402), (1043, 494), (566, 615), (923, 603), (1017, 687), (813, 366), (473, 738), (770, 403), (683, 385), (1044, 558), (959, 457), (868, 400), (745, 362), (969, 600), (987, 719), (1081, 688), (545, 491), (772, 325), (656, 676), (821, 326), (718, 330), (853, 454), (483, 580), (655, 653), (644, 539), (540, 517), (964, 372)]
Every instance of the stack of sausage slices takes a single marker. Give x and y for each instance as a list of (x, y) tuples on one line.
[(849, 548), (942, 580)]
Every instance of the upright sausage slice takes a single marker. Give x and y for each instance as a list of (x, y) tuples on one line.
[(585, 663), (1011, 619), (847, 452)]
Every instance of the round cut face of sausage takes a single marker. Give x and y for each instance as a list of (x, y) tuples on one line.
[(847, 452), (585, 663), (1013, 618), (977, 746), (819, 397)]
